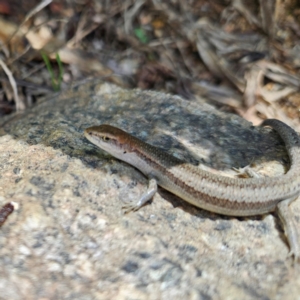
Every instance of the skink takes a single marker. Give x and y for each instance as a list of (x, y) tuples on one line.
[(216, 193)]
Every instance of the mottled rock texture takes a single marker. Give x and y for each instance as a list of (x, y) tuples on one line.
[(68, 237)]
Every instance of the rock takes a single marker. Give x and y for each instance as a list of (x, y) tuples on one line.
[(68, 238)]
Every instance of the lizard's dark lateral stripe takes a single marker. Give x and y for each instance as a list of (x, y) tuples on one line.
[(204, 196)]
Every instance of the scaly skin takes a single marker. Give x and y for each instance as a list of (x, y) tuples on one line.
[(216, 193)]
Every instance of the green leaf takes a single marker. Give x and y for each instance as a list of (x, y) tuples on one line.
[(56, 82), (141, 35)]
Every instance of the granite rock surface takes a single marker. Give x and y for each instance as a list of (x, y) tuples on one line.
[(68, 237)]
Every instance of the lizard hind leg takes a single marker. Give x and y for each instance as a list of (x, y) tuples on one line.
[(290, 228)]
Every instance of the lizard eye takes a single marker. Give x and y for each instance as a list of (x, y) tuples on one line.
[(105, 138)]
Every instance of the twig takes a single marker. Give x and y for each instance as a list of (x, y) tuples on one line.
[(19, 104)]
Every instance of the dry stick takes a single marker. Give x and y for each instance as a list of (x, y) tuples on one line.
[(35, 10), (5, 211), (19, 104)]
